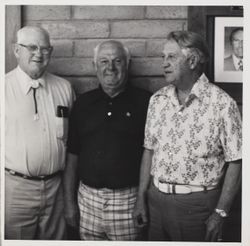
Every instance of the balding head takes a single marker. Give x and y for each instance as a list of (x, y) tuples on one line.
[(114, 43), (28, 32), (33, 50), (111, 62)]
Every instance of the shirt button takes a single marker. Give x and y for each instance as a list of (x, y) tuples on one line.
[(109, 113), (128, 114), (110, 103)]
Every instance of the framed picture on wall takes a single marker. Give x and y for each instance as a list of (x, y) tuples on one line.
[(228, 49)]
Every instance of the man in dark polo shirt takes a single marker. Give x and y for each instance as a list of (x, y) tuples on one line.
[(104, 150)]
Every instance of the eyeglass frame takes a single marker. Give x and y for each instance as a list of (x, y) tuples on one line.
[(43, 50)]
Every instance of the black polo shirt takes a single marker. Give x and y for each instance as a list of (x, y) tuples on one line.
[(107, 135)]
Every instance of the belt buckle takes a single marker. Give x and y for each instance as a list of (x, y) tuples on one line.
[(169, 188), (166, 187)]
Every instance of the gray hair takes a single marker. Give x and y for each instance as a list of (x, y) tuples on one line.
[(192, 42), (124, 48)]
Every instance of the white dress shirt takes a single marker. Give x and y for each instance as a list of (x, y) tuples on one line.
[(35, 147)]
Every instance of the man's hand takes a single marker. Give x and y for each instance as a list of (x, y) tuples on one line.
[(214, 228), (140, 213), (71, 213)]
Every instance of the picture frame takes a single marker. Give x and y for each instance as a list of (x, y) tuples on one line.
[(226, 69)]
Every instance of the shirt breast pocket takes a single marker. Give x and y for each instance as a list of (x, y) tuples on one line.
[(61, 127)]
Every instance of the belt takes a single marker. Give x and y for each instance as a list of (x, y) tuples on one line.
[(171, 188), (37, 178)]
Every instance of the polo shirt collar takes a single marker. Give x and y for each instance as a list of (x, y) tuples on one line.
[(105, 95), (26, 81)]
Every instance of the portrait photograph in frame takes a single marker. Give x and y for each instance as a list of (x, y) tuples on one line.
[(228, 49)]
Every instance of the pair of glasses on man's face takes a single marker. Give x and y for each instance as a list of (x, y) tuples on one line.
[(35, 48)]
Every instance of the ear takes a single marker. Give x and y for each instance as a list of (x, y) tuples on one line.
[(193, 61), (16, 50)]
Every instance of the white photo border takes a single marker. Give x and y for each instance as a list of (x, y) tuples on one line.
[(219, 33)]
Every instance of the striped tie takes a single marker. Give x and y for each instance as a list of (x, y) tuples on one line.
[(240, 63)]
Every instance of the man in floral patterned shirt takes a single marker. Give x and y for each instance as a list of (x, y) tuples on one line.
[(191, 166)]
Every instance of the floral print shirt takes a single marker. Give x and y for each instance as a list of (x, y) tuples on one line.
[(192, 142)]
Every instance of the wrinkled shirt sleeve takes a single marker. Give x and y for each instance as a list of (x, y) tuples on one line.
[(149, 137), (231, 132)]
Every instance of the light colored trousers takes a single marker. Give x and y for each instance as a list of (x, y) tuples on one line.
[(34, 209)]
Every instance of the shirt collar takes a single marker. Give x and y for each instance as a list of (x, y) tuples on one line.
[(106, 96), (199, 89), (25, 80)]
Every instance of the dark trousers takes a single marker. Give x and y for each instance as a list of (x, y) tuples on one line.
[(179, 217)]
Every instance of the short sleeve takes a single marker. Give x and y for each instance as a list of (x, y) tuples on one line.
[(231, 132), (149, 138)]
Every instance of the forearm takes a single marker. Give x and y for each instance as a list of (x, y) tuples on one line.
[(145, 172), (70, 179), (230, 186)]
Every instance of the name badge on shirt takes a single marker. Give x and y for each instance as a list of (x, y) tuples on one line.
[(62, 111)]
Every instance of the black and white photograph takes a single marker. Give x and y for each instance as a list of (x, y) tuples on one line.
[(122, 123), (233, 51), (228, 52)]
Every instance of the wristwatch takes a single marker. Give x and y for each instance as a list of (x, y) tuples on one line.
[(222, 213)]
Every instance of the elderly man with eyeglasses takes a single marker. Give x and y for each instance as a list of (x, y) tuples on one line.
[(37, 106)]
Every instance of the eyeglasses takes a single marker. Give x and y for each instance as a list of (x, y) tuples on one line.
[(35, 48)]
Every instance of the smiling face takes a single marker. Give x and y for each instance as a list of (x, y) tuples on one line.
[(32, 63), (111, 67), (175, 64)]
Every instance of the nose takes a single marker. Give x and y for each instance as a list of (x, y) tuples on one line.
[(165, 63), (38, 52), (111, 65)]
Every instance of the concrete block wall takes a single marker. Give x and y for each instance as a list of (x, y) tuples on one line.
[(76, 30)]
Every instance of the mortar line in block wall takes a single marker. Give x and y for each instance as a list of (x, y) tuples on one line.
[(71, 13)]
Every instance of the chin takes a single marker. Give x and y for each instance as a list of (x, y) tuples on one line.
[(111, 82), (37, 73), (169, 80)]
